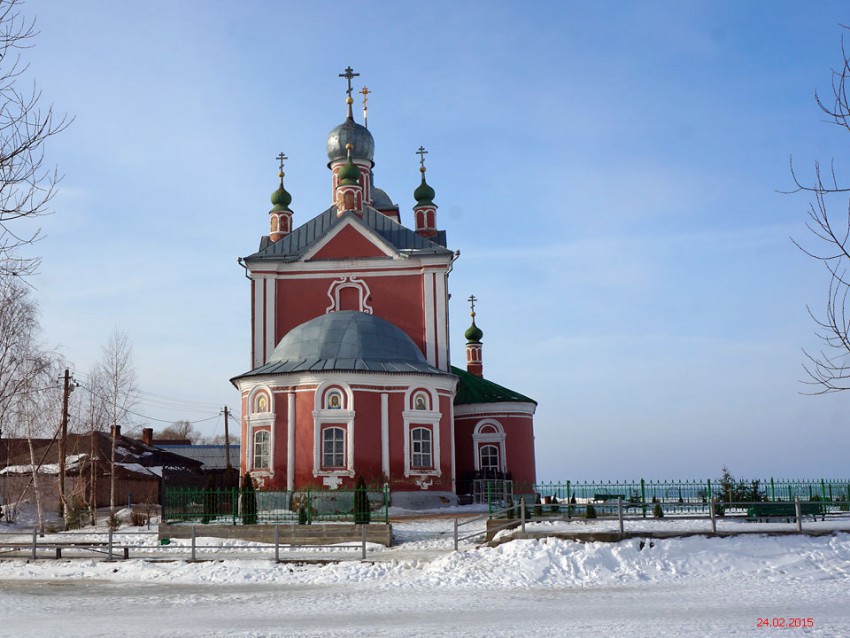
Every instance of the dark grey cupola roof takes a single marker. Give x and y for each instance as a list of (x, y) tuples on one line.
[(348, 340)]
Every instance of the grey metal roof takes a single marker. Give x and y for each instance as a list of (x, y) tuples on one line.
[(299, 241), (380, 199), (212, 456), (345, 341)]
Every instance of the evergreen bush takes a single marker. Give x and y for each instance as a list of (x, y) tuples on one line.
[(590, 511), (248, 501), (362, 511), (210, 500), (657, 512)]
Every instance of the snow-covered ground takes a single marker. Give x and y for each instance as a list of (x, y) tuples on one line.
[(542, 587)]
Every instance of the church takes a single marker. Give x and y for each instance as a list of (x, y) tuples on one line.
[(351, 372)]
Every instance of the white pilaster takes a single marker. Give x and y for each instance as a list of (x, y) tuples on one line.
[(259, 295), (440, 316), (290, 442), (271, 313), (385, 434), (430, 345)]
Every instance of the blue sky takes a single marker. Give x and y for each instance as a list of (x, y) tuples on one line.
[(608, 170)]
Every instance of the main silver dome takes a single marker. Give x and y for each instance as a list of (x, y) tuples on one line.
[(345, 341), (350, 132)]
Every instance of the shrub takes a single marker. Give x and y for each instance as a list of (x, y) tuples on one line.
[(248, 501), (112, 521), (657, 512), (210, 500), (538, 508), (302, 515), (590, 511), (362, 511), (138, 519)]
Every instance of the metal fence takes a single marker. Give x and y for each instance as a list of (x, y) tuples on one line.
[(311, 505), (685, 497)]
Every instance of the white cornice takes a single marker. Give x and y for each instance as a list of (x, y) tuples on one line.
[(503, 408), (376, 379)]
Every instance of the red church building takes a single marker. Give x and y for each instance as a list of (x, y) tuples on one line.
[(350, 368)]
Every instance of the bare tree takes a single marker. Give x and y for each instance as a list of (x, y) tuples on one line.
[(26, 184), (180, 430), (828, 369), (18, 327), (119, 378)]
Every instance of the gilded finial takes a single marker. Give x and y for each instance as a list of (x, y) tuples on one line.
[(472, 299)]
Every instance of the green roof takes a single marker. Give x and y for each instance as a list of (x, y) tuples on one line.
[(473, 389)]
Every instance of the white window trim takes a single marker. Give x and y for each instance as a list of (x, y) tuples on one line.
[(412, 391), (430, 430), (339, 418), (344, 444), (254, 428), (414, 419), (479, 438), (268, 467)]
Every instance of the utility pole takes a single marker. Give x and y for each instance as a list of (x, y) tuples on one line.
[(63, 441), (227, 440)]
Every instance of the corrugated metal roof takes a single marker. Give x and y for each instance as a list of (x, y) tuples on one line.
[(473, 389), (300, 240), (212, 456)]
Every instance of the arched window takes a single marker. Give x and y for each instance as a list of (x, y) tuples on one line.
[(261, 450), (490, 458), (420, 448), (333, 447)]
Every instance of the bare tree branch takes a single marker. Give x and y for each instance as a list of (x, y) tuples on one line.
[(828, 370), (26, 184)]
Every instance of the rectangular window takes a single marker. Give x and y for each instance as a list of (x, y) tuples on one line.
[(333, 447), (420, 448), (261, 450)]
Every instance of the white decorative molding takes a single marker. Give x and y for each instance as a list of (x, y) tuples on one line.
[(332, 481), (424, 483), (417, 418), (349, 281), (489, 432)]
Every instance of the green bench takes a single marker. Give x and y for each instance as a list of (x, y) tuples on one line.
[(786, 510)]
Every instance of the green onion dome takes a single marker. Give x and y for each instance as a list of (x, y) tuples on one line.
[(349, 174), (473, 334), (424, 194), (281, 198)]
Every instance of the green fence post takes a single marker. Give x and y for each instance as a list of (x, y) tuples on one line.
[(309, 507), (234, 505), (822, 491), (489, 501), (386, 503), (643, 497), (772, 490), (708, 483)]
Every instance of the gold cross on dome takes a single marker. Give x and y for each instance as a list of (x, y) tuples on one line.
[(349, 75), (365, 93)]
